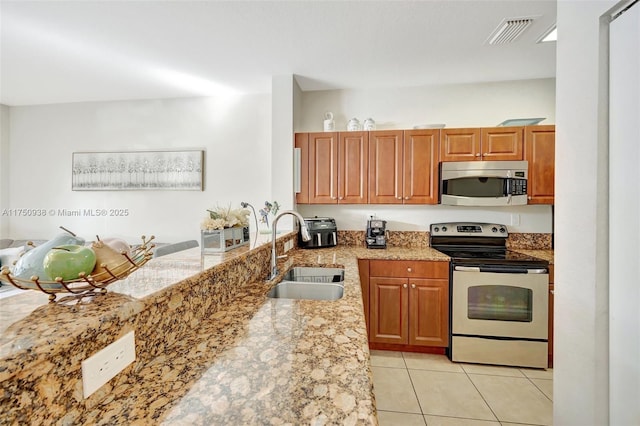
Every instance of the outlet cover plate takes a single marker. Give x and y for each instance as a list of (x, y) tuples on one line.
[(102, 366)]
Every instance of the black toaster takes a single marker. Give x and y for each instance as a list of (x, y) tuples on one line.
[(323, 231)]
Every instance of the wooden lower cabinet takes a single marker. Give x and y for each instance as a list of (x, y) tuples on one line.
[(409, 303), (551, 295)]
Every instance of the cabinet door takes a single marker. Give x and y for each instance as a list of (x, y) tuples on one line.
[(551, 315), (420, 180), (429, 312), (460, 144), (540, 143), (502, 143), (302, 142), (388, 310), (385, 167), (323, 168), (353, 168)]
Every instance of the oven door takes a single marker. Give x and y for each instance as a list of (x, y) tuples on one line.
[(505, 303)]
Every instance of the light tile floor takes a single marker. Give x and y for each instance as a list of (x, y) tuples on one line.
[(425, 389)]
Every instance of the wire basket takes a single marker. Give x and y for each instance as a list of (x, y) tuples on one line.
[(85, 283)]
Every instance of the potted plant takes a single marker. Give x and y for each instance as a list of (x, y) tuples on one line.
[(224, 229)]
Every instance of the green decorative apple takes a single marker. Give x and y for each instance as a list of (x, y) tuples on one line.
[(69, 261), (30, 264)]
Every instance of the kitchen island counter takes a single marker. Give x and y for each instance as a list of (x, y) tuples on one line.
[(202, 358)]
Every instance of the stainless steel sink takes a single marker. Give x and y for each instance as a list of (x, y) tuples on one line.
[(314, 274), (311, 283)]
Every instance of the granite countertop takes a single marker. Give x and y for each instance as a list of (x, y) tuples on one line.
[(540, 254), (254, 360)]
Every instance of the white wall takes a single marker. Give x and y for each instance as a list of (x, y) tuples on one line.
[(4, 170), (581, 364), (460, 105), (235, 133), (624, 218), (456, 105), (534, 219)]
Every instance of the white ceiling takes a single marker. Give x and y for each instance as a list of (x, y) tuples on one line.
[(71, 51)]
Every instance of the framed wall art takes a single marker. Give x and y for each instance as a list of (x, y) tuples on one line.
[(138, 170)]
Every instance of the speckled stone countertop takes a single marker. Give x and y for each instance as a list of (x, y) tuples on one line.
[(540, 254), (211, 347)]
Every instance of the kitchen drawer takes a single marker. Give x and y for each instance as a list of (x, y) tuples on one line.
[(408, 268)]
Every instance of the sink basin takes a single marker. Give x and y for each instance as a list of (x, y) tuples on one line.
[(312, 283), (314, 274)]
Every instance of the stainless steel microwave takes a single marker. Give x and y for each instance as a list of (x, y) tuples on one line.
[(483, 183)]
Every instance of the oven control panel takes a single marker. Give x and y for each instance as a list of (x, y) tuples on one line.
[(467, 229)]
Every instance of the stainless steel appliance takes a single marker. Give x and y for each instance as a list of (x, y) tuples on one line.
[(376, 233), (323, 231), (499, 298), (483, 183)]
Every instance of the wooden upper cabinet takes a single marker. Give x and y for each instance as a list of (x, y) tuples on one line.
[(460, 144), (302, 143), (420, 178), (353, 168), (385, 166), (403, 166), (486, 144), (539, 143), (502, 143), (323, 168)]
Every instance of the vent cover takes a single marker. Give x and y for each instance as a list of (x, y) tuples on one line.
[(509, 30)]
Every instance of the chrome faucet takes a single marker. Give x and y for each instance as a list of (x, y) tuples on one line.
[(304, 233)]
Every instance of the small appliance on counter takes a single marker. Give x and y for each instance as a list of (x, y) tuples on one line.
[(323, 231), (376, 237)]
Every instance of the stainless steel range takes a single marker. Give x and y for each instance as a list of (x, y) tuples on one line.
[(499, 298)]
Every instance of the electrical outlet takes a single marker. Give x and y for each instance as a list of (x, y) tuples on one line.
[(102, 366), (288, 245), (515, 219)]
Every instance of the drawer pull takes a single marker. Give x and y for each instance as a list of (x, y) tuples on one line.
[(413, 286), (409, 270), (404, 285)]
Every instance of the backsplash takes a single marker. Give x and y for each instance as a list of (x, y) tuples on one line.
[(420, 239)]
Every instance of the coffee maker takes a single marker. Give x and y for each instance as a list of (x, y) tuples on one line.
[(376, 237)]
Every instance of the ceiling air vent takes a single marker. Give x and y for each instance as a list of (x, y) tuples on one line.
[(509, 30)]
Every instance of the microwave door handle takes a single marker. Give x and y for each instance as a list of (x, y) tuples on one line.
[(319, 239)]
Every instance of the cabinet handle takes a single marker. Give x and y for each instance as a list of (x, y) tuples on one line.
[(478, 155), (413, 286), (333, 198), (406, 198), (485, 154), (404, 286), (399, 198), (552, 291), (340, 198), (408, 269), (529, 197)]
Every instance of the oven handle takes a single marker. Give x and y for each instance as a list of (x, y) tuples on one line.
[(500, 270)]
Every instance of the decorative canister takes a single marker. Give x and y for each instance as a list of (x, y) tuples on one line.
[(353, 124), (369, 124), (329, 125)]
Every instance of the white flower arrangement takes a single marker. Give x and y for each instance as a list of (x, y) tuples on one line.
[(225, 217)]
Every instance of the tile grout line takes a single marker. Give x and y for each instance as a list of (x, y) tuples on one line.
[(482, 396), (415, 393), (536, 386)]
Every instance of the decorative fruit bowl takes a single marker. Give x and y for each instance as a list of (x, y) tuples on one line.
[(130, 263)]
